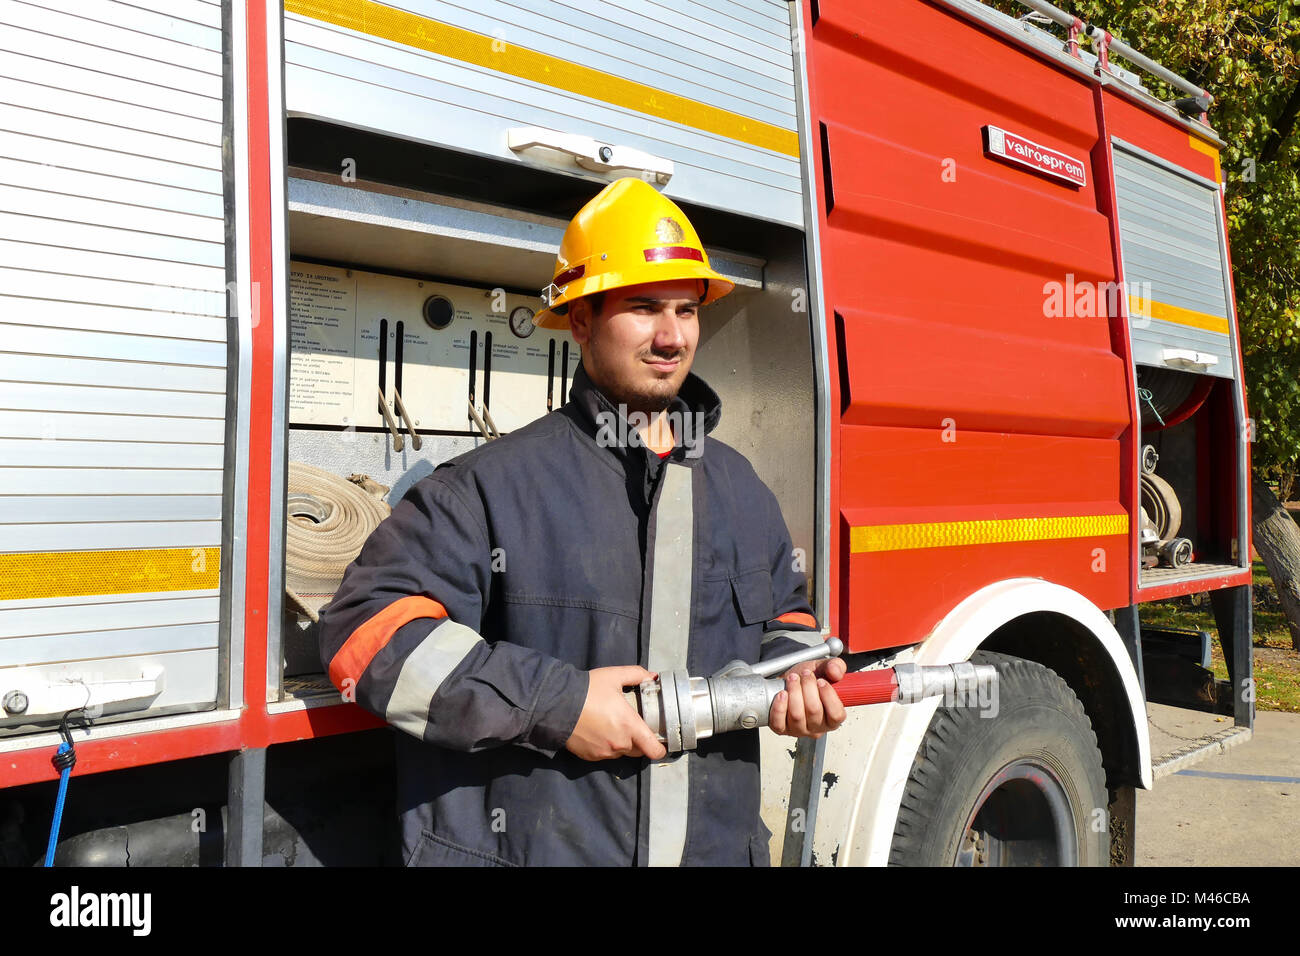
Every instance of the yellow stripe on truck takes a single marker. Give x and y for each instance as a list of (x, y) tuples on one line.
[(949, 534), (53, 574), (409, 29), (1201, 146), (1140, 308)]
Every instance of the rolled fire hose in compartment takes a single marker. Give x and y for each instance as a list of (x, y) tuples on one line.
[(1162, 516), (329, 519), (1166, 398)]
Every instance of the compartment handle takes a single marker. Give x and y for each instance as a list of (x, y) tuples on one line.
[(590, 154)]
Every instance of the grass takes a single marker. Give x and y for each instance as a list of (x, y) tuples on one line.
[(1277, 665)]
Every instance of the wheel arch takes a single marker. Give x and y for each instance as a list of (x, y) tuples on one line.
[(1074, 652), (1027, 617)]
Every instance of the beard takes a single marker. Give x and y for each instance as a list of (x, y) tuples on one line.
[(651, 398)]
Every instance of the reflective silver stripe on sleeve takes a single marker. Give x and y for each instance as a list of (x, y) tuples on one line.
[(670, 630), (809, 638), (423, 673)]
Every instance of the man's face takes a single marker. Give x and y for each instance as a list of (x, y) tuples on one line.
[(639, 348)]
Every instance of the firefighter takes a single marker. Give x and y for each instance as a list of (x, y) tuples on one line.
[(496, 617)]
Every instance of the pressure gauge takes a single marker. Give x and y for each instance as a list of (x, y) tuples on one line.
[(521, 322)]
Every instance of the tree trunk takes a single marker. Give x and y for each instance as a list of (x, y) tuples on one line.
[(1277, 539), (1282, 128), (1286, 485)]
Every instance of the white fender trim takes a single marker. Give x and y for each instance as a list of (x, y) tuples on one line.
[(899, 732)]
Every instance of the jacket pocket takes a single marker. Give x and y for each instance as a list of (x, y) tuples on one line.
[(433, 850), (753, 593)]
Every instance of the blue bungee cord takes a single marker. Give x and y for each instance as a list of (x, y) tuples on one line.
[(63, 761)]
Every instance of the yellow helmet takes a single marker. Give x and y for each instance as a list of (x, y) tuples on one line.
[(628, 234)]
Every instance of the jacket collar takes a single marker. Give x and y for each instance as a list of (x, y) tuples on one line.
[(695, 411)]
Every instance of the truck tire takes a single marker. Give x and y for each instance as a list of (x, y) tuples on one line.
[(1024, 787)]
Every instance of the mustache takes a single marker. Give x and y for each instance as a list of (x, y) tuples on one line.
[(658, 356)]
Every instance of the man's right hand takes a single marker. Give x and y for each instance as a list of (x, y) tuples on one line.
[(608, 727)]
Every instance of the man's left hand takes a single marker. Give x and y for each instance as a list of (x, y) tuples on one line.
[(809, 706)]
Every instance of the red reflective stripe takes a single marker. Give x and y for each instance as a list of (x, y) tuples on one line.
[(369, 639), (661, 253), (797, 617), (568, 275)]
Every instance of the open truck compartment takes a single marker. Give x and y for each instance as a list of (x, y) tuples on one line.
[(1178, 285), (423, 286)]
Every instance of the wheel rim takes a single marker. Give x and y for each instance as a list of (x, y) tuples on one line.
[(1021, 818)]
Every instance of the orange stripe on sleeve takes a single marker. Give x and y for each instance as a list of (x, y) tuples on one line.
[(369, 639), (797, 617)]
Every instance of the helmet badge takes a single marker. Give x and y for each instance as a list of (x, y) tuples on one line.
[(669, 229)]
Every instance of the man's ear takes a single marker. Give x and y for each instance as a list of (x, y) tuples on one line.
[(580, 320)]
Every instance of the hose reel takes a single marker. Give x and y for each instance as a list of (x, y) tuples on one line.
[(1169, 396)]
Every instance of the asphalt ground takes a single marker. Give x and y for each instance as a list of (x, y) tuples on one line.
[(1240, 807)]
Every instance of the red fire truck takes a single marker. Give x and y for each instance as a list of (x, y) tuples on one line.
[(265, 268)]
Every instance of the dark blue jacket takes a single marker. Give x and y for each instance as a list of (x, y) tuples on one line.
[(474, 611)]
